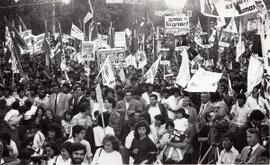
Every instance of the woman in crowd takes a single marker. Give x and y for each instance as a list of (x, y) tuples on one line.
[(66, 124), (64, 157), (39, 116), (109, 153), (51, 153), (54, 133), (50, 117), (143, 149)]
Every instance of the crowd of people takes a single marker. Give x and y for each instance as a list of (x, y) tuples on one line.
[(46, 119)]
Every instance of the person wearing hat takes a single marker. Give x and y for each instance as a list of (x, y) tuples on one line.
[(181, 121)]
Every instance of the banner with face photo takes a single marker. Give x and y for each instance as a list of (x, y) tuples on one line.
[(225, 39), (88, 51), (230, 8), (28, 37), (117, 57)]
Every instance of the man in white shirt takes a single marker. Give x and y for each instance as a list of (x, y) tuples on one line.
[(7, 96), (146, 95), (156, 108), (229, 154)]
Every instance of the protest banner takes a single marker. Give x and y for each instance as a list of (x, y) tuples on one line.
[(255, 73), (120, 40), (177, 24), (252, 25), (230, 8), (225, 39), (28, 37), (38, 42), (184, 71), (141, 59), (104, 39), (203, 81), (117, 56), (167, 69), (76, 33), (88, 51), (152, 72), (107, 72)]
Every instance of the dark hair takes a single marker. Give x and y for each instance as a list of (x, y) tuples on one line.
[(115, 142), (67, 146), (256, 115), (77, 147), (153, 95), (83, 107), (229, 135), (141, 124), (15, 105), (241, 96), (111, 101), (68, 113), (53, 146), (77, 129), (56, 128), (169, 123), (160, 118), (254, 131), (5, 137), (165, 90), (182, 110), (42, 110)]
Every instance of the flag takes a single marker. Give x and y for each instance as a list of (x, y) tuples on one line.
[(131, 61), (255, 73), (122, 75), (22, 25), (76, 32), (17, 38), (240, 46), (107, 72), (87, 17), (13, 60), (46, 48), (230, 90), (220, 22), (152, 72), (231, 27), (184, 71), (198, 32)]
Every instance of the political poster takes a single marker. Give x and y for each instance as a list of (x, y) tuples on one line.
[(120, 40), (177, 24), (225, 39), (76, 33), (141, 59), (252, 25), (88, 51), (117, 56), (38, 42), (230, 8), (204, 81), (28, 37)]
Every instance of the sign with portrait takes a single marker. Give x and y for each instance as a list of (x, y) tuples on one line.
[(88, 51), (117, 57)]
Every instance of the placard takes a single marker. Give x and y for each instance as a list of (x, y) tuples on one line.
[(117, 56), (177, 24), (88, 51)]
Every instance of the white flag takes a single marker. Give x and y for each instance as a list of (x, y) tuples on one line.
[(87, 17), (122, 75), (108, 77), (184, 72), (220, 22), (255, 73), (131, 61), (232, 28), (198, 32), (240, 47), (76, 33), (204, 81), (152, 72), (100, 99)]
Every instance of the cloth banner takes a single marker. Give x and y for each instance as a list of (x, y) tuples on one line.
[(131, 61), (76, 33), (117, 56), (88, 51), (184, 71), (38, 42), (120, 40), (255, 73), (230, 8), (152, 72), (204, 81), (231, 27), (177, 24), (107, 72)]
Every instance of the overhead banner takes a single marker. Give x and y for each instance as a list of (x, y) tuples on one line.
[(88, 51), (230, 8), (76, 33), (204, 81), (120, 40), (177, 24), (117, 56)]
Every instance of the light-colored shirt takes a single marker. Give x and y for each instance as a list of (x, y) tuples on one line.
[(61, 161), (153, 111), (172, 104), (38, 141), (9, 100), (99, 134), (241, 114), (181, 124), (82, 119), (103, 158), (228, 157), (157, 132), (44, 102)]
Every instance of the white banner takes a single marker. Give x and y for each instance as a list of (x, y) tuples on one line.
[(100, 99), (38, 42), (114, 1), (88, 51), (120, 40), (76, 33), (141, 59), (184, 71), (152, 72), (230, 8), (177, 24), (204, 81), (28, 37), (108, 77), (255, 73)]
